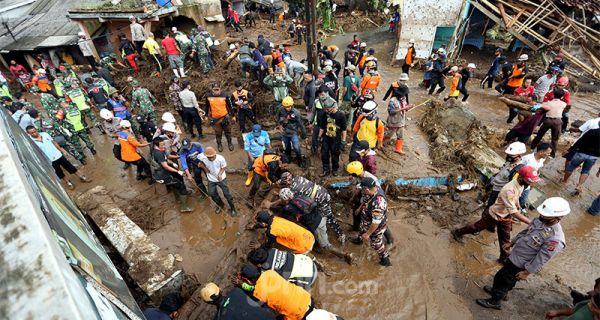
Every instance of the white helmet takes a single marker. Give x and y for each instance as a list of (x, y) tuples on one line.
[(411, 41), (523, 57), (403, 77), (174, 29), (554, 207), (168, 117), (216, 43), (369, 106), (41, 70), (472, 66), (320, 314), (106, 114), (232, 46), (328, 63), (454, 69), (125, 124), (81, 34), (363, 44), (516, 148), (169, 126)]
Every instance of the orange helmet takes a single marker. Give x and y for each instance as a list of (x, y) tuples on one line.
[(60, 114), (563, 81)]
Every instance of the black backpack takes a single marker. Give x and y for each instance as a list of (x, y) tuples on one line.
[(117, 151)]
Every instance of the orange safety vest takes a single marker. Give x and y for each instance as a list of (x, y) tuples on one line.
[(363, 59), (516, 82), (454, 85), (217, 107), (292, 236), (261, 163), (288, 299), (332, 48), (244, 94), (370, 82), (409, 58)]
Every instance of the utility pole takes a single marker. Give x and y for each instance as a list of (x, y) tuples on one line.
[(311, 41)]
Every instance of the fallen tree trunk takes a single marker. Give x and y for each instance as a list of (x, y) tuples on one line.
[(515, 104)]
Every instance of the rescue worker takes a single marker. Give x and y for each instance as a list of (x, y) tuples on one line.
[(47, 100), (59, 84), (265, 169), (128, 52), (517, 75), (295, 70), (214, 166), (236, 305), (174, 90), (456, 83), (279, 82), (117, 104), (285, 233), (100, 82), (96, 94), (317, 113), (437, 75), (255, 144), (332, 132), (350, 89), (189, 158), (41, 81), (173, 53), (153, 48), (81, 100), (129, 152), (288, 300), (367, 157), (290, 121), (502, 212), (190, 114), (201, 51), (514, 152), (62, 133), (142, 101), (494, 69), (165, 171), (409, 58), (71, 113), (371, 80), (532, 248), (243, 101), (331, 81), (368, 127), (373, 212), (110, 62), (298, 269), (168, 309), (466, 74), (553, 120), (397, 109), (562, 83), (220, 113)]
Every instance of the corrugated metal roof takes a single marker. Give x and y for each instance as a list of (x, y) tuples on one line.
[(46, 18), (589, 5)]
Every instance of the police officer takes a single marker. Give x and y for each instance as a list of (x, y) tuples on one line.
[(188, 156), (236, 305), (298, 269), (532, 248)]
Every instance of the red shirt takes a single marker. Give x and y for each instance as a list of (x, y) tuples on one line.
[(16, 70), (566, 98), (524, 92), (170, 46)]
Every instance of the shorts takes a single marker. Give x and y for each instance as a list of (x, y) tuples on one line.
[(175, 62), (579, 158), (395, 133)]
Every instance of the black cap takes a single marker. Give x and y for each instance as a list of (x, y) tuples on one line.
[(238, 83), (362, 145), (263, 216), (215, 84), (323, 88), (171, 302), (368, 182), (186, 143), (250, 272)]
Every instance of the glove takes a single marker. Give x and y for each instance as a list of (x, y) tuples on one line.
[(181, 173), (175, 166)]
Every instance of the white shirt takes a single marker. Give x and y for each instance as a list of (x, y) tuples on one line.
[(214, 167), (589, 125), (47, 146), (137, 32), (529, 160)]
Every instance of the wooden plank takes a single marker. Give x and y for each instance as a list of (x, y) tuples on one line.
[(503, 15), (492, 16)]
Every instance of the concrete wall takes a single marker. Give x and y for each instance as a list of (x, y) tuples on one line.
[(198, 9), (420, 18)]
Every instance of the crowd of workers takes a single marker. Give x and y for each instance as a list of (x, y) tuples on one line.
[(341, 116)]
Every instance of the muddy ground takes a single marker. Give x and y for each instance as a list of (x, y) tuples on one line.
[(431, 277)]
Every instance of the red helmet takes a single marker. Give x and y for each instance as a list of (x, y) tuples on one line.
[(60, 114), (563, 81)]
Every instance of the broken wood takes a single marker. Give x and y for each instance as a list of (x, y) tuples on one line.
[(503, 15), (515, 104), (373, 22)]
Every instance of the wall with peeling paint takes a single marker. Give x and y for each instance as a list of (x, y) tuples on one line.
[(420, 18)]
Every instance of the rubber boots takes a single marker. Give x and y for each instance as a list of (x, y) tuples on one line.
[(183, 203), (399, 144), (250, 176)]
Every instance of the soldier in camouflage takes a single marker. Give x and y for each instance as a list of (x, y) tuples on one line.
[(174, 89), (110, 62), (48, 101), (142, 101), (82, 101), (100, 82), (201, 51), (62, 132), (70, 113)]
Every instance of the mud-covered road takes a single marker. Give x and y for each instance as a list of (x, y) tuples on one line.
[(431, 277)]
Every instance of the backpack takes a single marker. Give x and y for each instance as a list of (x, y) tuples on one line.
[(117, 151), (305, 205)]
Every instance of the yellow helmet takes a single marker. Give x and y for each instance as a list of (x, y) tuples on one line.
[(287, 101), (355, 168), (371, 65), (209, 290)]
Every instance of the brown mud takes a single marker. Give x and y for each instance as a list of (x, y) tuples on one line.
[(431, 277)]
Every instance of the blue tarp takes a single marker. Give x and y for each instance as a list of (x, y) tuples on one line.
[(419, 182)]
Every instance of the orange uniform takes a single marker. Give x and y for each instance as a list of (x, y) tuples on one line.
[(409, 55), (288, 299), (41, 81), (261, 163), (516, 82), (291, 235), (370, 83), (217, 107), (129, 147)]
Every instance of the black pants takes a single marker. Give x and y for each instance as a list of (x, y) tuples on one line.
[(244, 114), (505, 280), (565, 122), (489, 79), (173, 182), (512, 134), (330, 151), (191, 117), (237, 27), (197, 172), (63, 163), (464, 92), (553, 124), (139, 47), (92, 61), (512, 114), (141, 166), (299, 38), (405, 68), (437, 82), (272, 17)]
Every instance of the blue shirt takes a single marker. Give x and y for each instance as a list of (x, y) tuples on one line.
[(195, 150), (47, 147), (156, 314), (256, 145)]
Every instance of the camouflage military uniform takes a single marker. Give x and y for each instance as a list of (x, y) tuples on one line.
[(49, 103), (74, 120), (107, 61), (59, 85), (82, 101), (184, 43), (142, 102), (174, 89), (64, 129), (201, 49), (100, 82)]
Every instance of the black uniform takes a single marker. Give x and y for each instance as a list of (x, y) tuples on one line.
[(333, 125), (237, 305)]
